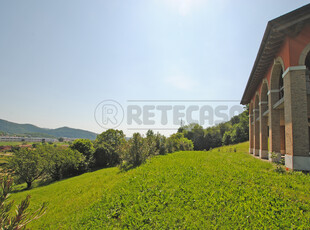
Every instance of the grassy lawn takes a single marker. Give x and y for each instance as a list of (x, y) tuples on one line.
[(218, 189)]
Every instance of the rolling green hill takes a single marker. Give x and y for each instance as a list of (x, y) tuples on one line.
[(218, 189), (32, 130)]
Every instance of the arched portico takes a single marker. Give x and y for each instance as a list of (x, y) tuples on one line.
[(279, 91), (276, 111)]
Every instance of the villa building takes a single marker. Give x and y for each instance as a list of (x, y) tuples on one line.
[(278, 92)]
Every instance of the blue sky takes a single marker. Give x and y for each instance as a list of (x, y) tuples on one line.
[(60, 59)]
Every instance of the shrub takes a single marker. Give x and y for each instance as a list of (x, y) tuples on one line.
[(21, 218)]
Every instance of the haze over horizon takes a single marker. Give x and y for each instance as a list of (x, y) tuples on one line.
[(60, 59)]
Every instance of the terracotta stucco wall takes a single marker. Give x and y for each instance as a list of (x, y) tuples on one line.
[(290, 53)]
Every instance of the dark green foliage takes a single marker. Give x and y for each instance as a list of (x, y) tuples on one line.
[(60, 139), (195, 133), (21, 218), (161, 144), (112, 137), (106, 156), (177, 142), (107, 148), (151, 143), (234, 131), (134, 152), (63, 162), (85, 147)]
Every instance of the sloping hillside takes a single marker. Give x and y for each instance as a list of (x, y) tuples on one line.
[(219, 189), (14, 128)]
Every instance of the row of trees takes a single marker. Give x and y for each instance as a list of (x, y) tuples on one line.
[(109, 149), (234, 131)]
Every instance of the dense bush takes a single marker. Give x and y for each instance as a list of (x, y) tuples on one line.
[(22, 217)]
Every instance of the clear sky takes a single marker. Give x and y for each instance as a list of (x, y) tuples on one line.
[(59, 59)]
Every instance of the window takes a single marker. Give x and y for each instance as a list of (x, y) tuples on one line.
[(307, 62), (281, 87)]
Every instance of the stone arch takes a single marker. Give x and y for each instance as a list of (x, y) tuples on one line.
[(304, 57), (304, 60), (264, 91), (276, 109), (276, 81)]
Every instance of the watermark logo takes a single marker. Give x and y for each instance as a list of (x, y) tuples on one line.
[(164, 114), (109, 114)]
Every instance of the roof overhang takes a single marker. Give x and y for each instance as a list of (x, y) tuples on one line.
[(289, 24)]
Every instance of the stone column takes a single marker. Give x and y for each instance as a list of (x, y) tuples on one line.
[(263, 151), (274, 126), (256, 132), (296, 119)]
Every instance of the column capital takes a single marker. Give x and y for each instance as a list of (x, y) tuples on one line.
[(293, 68), (263, 103), (273, 91)]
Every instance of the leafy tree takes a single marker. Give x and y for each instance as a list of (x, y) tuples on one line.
[(106, 156), (161, 144), (63, 162), (28, 164), (195, 133), (112, 137), (151, 143), (22, 217), (85, 147), (177, 142), (107, 148), (227, 138), (134, 152)]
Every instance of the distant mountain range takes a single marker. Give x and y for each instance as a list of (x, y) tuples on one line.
[(11, 128)]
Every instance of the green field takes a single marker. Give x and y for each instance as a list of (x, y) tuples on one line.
[(11, 143), (218, 189), (15, 143)]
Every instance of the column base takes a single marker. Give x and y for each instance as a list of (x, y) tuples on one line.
[(263, 154), (283, 152), (250, 150), (297, 162), (256, 152), (274, 157)]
